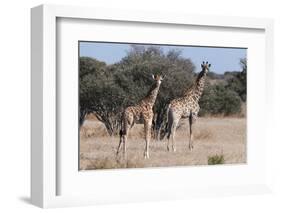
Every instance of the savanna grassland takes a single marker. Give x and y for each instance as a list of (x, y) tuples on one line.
[(213, 136)]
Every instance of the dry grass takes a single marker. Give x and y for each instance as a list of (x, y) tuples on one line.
[(114, 163), (212, 136), (92, 128)]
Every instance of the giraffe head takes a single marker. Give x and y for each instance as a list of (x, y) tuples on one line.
[(158, 78), (205, 66)]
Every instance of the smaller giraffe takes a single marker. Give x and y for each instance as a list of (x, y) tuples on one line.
[(186, 106), (142, 111)]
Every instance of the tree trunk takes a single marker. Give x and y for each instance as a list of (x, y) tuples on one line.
[(112, 123), (83, 113)]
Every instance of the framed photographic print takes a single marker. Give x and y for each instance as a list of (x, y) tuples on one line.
[(149, 106)]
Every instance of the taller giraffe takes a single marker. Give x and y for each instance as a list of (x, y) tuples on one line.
[(141, 111), (186, 106)]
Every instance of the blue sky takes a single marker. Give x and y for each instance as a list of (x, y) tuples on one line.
[(222, 59)]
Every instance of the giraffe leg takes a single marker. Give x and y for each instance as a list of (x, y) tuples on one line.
[(192, 119), (168, 141), (171, 133), (169, 136), (174, 127), (120, 142), (190, 134), (124, 145), (147, 129), (125, 138), (128, 123), (169, 127), (123, 133)]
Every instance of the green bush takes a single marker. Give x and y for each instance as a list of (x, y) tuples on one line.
[(215, 159), (219, 100)]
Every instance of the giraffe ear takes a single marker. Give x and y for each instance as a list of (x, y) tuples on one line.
[(153, 76), (209, 65)]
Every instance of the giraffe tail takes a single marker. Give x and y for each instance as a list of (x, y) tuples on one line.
[(168, 119), (123, 126), (120, 132)]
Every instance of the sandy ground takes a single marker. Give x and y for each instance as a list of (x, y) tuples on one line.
[(212, 136)]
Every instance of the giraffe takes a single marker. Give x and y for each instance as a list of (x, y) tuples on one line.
[(142, 111), (186, 106)]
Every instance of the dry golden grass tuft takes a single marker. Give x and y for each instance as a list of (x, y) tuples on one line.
[(103, 163), (92, 128), (113, 163), (199, 133), (203, 135)]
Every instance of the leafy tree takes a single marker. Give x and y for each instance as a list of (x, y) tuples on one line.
[(99, 94), (88, 67)]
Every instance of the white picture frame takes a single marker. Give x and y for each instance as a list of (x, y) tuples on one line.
[(44, 153)]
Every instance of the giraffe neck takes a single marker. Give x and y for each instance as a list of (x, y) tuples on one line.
[(150, 98), (195, 92)]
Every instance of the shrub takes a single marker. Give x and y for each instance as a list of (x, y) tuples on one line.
[(215, 159), (219, 100)]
